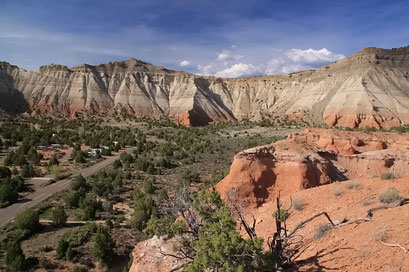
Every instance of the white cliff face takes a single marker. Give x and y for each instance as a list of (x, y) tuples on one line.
[(370, 88)]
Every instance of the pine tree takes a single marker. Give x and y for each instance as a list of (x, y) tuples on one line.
[(103, 248), (143, 207), (58, 216), (15, 259)]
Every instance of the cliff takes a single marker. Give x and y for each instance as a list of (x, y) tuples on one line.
[(370, 88)]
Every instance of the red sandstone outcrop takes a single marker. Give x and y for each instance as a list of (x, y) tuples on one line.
[(311, 158), (370, 88)]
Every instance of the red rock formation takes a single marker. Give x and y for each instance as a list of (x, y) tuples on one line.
[(311, 158)]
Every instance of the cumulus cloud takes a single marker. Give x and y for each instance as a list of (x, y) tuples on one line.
[(278, 62), (184, 63), (239, 70), (227, 55), (313, 56), (207, 70)]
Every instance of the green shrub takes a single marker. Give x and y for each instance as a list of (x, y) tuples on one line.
[(148, 186), (72, 199), (79, 158), (103, 248), (89, 213), (89, 207), (61, 249), (8, 194), (44, 263), (27, 220), (80, 268), (5, 172), (386, 176), (69, 254), (390, 195), (160, 226), (143, 207), (190, 176), (17, 182), (15, 259), (162, 194), (283, 216), (53, 161), (55, 170), (117, 164), (219, 246), (78, 235), (127, 175), (14, 171), (78, 182), (118, 182), (27, 171), (58, 216)]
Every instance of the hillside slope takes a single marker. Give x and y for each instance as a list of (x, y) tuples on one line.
[(314, 171), (370, 88)]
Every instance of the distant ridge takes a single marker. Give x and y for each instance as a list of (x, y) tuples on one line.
[(369, 88)]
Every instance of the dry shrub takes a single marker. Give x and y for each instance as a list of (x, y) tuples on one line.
[(380, 234), (353, 185), (298, 204), (390, 195), (367, 201), (322, 230), (337, 192)]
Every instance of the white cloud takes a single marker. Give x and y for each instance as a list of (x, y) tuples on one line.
[(239, 70), (313, 56), (279, 61), (227, 55), (184, 63), (206, 70)]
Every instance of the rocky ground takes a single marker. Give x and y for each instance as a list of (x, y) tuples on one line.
[(317, 170)]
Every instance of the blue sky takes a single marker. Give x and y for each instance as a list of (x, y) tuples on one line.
[(224, 38)]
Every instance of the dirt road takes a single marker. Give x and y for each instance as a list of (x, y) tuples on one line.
[(42, 193)]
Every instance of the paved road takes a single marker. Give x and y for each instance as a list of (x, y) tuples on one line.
[(42, 193)]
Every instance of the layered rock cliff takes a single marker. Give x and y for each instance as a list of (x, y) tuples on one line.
[(370, 88), (312, 158)]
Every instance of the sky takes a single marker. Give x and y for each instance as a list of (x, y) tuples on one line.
[(223, 38)]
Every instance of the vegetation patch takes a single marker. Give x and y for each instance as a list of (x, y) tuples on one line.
[(298, 204), (387, 176), (353, 186), (322, 230), (390, 195)]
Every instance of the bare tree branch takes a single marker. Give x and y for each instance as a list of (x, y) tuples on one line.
[(394, 245), (397, 203), (302, 224)]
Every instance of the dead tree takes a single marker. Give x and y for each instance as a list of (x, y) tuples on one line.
[(236, 209), (282, 238)]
